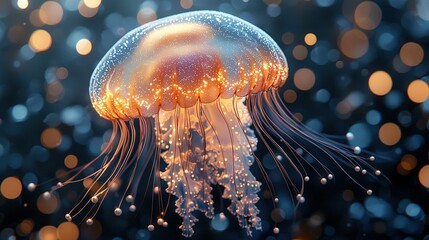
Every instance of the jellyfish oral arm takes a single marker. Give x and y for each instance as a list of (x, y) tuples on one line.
[(206, 145)]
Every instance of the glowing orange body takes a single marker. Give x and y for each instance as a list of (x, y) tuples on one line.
[(183, 61)]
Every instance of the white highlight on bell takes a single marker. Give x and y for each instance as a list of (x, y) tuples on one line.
[(31, 187)]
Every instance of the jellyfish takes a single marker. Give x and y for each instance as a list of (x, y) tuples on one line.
[(190, 97)]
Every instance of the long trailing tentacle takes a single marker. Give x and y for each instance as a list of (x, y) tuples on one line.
[(279, 130)]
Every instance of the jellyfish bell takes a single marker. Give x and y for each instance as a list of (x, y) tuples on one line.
[(185, 59), (197, 90)]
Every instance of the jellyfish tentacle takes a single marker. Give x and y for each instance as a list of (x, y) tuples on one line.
[(176, 174), (263, 134), (274, 118), (339, 148), (243, 188), (241, 117)]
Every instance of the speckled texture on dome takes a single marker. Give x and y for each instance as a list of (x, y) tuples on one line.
[(179, 60)]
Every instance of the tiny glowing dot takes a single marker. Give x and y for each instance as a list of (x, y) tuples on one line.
[(150, 227), (310, 39), (389, 134), (276, 230), (83, 46), (89, 221), (304, 79), (11, 188), (51, 138), (40, 40), (424, 176), (418, 91), (380, 83), (411, 54), (118, 211)]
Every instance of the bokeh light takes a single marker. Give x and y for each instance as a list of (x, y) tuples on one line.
[(67, 231), (48, 205), (22, 4), (389, 133), (40, 40), (83, 46), (424, 176), (70, 161), (353, 43), (25, 227), (411, 54), (418, 91), (368, 15), (92, 3), (48, 233), (51, 13), (304, 79), (11, 188), (51, 138), (310, 39), (380, 83), (300, 52)]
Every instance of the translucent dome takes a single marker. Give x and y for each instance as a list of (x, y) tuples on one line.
[(179, 60)]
